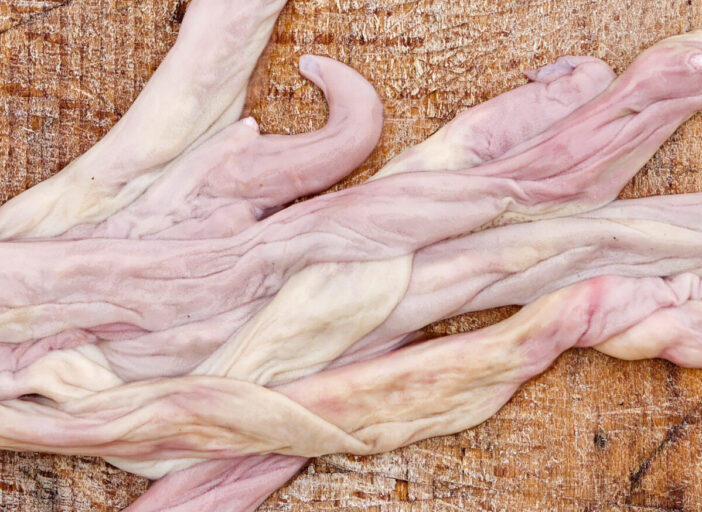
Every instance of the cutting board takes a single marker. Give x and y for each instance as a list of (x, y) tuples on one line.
[(591, 434)]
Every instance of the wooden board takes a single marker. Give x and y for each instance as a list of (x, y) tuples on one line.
[(591, 434)]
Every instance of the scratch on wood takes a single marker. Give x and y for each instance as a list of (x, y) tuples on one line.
[(673, 435), (36, 16)]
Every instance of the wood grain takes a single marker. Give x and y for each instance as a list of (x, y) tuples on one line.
[(591, 434)]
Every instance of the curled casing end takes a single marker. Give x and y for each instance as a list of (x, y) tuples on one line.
[(285, 167)]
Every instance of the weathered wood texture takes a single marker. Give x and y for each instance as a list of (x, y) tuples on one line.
[(590, 434)]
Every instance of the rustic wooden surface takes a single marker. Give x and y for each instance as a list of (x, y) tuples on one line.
[(591, 434)]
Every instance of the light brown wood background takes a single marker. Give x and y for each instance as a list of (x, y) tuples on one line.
[(591, 434)]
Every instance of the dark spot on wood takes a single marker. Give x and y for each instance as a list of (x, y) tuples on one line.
[(325, 39), (600, 440), (8, 487), (179, 12), (410, 41), (284, 38), (48, 475)]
